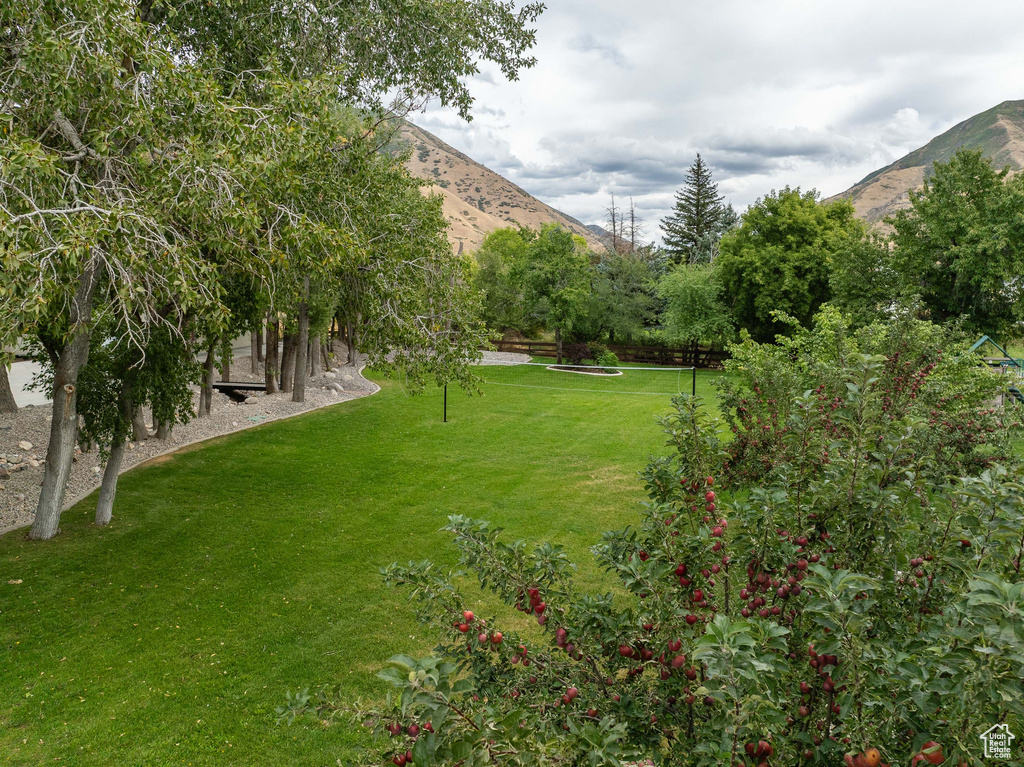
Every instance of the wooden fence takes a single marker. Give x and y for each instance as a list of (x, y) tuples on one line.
[(652, 355)]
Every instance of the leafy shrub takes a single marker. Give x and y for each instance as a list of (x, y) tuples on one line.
[(576, 353), (607, 359), (926, 373), (844, 603)]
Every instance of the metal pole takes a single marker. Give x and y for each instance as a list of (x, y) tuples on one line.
[(446, 403), (694, 381)]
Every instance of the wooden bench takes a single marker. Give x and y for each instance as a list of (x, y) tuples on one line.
[(225, 386)]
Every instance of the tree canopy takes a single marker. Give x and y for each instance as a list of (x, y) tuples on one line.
[(500, 262), (779, 258), (960, 246), (557, 279), (694, 310)]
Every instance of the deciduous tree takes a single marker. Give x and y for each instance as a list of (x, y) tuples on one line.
[(779, 258), (961, 245), (557, 278), (694, 310), (131, 183)]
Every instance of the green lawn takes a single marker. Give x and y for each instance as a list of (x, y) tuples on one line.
[(248, 567)]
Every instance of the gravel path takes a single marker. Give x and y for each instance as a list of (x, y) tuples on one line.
[(503, 358), (24, 435)]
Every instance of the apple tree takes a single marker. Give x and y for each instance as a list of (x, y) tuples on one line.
[(844, 606)]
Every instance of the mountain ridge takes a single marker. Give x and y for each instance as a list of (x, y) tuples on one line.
[(998, 132), (477, 200)]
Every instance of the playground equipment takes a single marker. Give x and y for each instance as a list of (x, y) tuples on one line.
[(1007, 364)]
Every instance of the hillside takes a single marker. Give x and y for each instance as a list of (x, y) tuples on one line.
[(999, 132), (476, 199)]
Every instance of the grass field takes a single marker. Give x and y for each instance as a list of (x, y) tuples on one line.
[(248, 567)]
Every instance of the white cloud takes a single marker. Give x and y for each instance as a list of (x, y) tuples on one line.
[(795, 92)]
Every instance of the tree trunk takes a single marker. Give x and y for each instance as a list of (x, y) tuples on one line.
[(302, 348), (60, 451), (225, 361), (288, 362), (259, 345), (271, 369), (254, 353), (324, 358), (105, 505), (108, 489), (558, 344), (139, 430), (163, 430), (206, 393), (7, 403), (350, 340), (314, 355)]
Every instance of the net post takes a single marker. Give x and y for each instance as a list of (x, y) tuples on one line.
[(694, 369)]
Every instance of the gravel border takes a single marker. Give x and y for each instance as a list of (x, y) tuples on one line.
[(503, 358), (19, 493)]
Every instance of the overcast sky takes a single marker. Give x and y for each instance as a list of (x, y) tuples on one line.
[(809, 93)]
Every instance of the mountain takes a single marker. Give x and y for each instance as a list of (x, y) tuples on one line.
[(999, 132), (476, 199)]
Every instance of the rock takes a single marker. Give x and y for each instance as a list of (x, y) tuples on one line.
[(330, 376), (33, 463), (95, 469), (251, 400), (24, 445), (14, 459), (347, 377), (234, 423), (131, 445)]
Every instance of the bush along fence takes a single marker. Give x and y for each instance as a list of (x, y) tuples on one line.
[(654, 355)]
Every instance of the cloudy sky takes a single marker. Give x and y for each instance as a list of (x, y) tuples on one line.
[(809, 93)]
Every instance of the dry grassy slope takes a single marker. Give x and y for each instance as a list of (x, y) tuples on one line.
[(476, 199), (998, 131)]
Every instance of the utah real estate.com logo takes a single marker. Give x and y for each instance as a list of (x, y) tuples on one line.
[(997, 741)]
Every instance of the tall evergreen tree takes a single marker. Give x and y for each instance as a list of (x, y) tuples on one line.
[(697, 214)]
